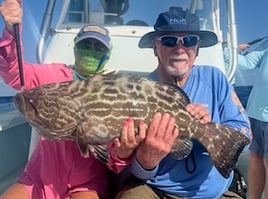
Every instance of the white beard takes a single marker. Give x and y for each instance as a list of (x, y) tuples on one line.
[(175, 72), (178, 69)]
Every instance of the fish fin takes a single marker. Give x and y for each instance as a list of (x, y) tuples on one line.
[(181, 148), (83, 147), (224, 145), (81, 141), (100, 152)]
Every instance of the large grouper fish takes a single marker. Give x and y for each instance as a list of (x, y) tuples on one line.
[(92, 112)]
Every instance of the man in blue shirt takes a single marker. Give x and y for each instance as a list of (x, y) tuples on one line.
[(175, 41)]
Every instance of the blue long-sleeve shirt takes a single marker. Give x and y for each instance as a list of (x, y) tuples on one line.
[(257, 105), (196, 176)]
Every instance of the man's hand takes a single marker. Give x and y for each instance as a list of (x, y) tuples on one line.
[(162, 134), (243, 46), (200, 112), (11, 11), (159, 140)]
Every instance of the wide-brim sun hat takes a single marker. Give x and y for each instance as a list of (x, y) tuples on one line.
[(178, 21), (97, 32)]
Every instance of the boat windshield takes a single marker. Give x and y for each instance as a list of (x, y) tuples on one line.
[(129, 12)]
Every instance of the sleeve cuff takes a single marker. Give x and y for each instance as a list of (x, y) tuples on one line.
[(115, 163), (138, 171), (6, 39)]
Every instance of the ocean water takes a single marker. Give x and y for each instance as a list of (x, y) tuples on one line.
[(6, 104), (6, 97), (6, 90)]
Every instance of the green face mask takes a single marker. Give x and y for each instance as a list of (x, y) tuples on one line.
[(89, 62)]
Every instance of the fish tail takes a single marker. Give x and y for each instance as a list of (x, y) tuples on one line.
[(224, 145)]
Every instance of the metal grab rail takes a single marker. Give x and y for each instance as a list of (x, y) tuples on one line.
[(232, 40), (45, 28)]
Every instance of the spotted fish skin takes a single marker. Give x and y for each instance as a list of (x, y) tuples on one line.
[(92, 112)]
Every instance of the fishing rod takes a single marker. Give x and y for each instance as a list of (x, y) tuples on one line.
[(257, 40), (245, 52), (17, 39)]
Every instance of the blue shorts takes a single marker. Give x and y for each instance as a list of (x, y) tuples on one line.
[(259, 144)]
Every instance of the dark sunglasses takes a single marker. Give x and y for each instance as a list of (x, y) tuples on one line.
[(171, 40), (89, 44)]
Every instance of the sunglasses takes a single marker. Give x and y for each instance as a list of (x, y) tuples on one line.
[(89, 44), (171, 40)]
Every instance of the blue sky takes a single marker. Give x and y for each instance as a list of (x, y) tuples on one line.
[(251, 16), (252, 19)]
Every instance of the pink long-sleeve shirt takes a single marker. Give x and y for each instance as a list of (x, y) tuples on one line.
[(56, 169)]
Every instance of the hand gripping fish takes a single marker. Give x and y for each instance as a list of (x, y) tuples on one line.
[(92, 112)]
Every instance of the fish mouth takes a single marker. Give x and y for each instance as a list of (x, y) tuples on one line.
[(25, 106)]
